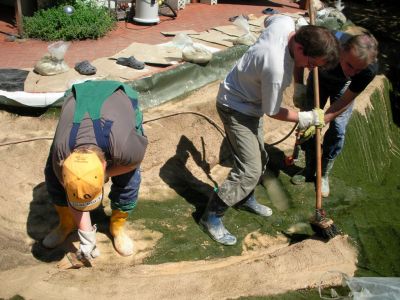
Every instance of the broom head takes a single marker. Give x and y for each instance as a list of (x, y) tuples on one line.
[(323, 226)]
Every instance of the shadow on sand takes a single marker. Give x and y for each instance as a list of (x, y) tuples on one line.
[(42, 218)]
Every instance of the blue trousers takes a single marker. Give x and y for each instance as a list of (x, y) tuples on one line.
[(123, 195), (334, 137)]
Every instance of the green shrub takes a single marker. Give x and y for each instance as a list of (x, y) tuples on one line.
[(89, 21)]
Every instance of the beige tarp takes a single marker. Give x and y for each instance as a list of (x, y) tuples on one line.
[(107, 68), (154, 55), (214, 37), (163, 54), (173, 33), (259, 22), (36, 83), (232, 30)]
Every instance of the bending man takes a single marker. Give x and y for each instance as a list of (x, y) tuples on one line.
[(99, 135)]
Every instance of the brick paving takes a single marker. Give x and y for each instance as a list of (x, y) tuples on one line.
[(195, 16)]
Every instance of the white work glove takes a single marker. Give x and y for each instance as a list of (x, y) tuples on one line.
[(299, 95), (87, 249), (311, 118)]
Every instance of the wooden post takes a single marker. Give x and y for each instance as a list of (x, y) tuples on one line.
[(18, 17), (304, 4), (318, 150)]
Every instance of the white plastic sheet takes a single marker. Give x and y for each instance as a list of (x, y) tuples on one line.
[(375, 288), (364, 288)]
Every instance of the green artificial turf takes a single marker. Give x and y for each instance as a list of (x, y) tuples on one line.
[(367, 196), (365, 186)]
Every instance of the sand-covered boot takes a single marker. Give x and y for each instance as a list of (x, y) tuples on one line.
[(122, 242), (252, 205), (327, 165), (211, 221), (66, 225)]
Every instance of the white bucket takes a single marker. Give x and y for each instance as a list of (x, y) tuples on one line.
[(146, 11)]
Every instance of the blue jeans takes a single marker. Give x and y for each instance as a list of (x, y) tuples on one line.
[(334, 137), (123, 195)]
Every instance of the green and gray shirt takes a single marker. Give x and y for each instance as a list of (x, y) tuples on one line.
[(127, 145)]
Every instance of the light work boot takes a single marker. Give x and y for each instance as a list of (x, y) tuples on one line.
[(255, 207), (307, 174), (327, 165), (211, 222), (122, 242), (66, 225)]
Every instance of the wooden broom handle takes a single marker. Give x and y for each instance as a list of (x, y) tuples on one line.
[(318, 195)]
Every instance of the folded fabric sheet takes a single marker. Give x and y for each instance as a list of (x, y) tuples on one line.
[(36, 83), (231, 30), (152, 54), (214, 37), (173, 33)]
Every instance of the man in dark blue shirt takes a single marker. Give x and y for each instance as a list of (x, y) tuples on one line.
[(342, 84)]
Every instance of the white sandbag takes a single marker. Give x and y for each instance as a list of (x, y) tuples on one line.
[(248, 38), (53, 63)]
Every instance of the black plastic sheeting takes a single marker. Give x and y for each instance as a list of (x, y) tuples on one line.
[(160, 87), (12, 80)]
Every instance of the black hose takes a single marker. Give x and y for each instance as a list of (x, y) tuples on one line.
[(211, 121)]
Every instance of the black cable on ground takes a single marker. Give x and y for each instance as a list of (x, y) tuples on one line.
[(285, 137), (25, 140), (211, 121)]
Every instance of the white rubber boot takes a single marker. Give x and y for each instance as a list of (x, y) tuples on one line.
[(252, 205), (327, 165)]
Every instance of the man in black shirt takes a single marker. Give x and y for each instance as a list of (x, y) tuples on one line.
[(342, 84)]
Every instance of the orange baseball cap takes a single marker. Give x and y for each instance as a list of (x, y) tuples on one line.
[(83, 178)]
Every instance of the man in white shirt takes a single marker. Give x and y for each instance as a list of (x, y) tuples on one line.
[(254, 87)]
